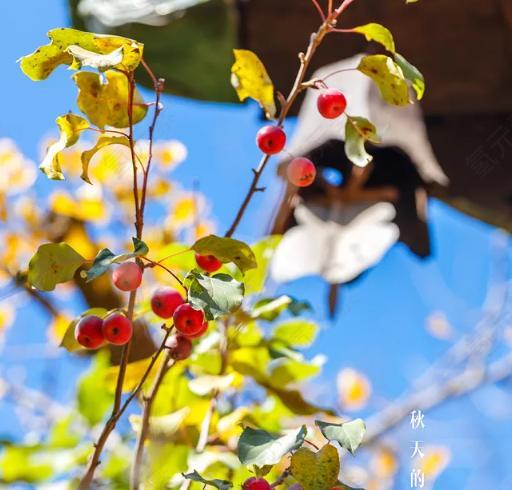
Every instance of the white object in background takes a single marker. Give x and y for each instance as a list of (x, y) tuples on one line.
[(337, 252)]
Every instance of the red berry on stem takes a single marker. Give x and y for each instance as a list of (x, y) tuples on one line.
[(117, 329), (331, 103), (254, 483), (127, 276), (271, 139), (89, 332), (165, 301), (208, 263), (188, 320), (301, 172), (200, 333), (180, 347)]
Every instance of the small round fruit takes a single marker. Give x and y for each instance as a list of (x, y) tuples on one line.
[(254, 483), (117, 329), (200, 333), (271, 139), (89, 332), (165, 301), (208, 263), (127, 276), (331, 103), (301, 172), (180, 347), (188, 320)]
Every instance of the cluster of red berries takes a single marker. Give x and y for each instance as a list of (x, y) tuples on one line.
[(92, 332), (271, 140)]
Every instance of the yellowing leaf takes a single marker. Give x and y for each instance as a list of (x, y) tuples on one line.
[(358, 130), (106, 103), (134, 372), (378, 33), (412, 74), (101, 143), (434, 461), (388, 76), (70, 127), (69, 47), (354, 389), (249, 77), (53, 263), (384, 463), (316, 471)]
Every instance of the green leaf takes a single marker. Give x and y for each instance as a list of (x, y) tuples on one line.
[(378, 33), (296, 333), (217, 295), (316, 470), (358, 130), (70, 127), (206, 385), (249, 78), (104, 99), (102, 142), (227, 250), (53, 263), (94, 397), (162, 426), (254, 279), (270, 308), (69, 47), (106, 258), (260, 448), (219, 484), (349, 435), (284, 371), (389, 78), (68, 340), (412, 74)]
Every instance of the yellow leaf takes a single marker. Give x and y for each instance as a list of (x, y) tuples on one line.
[(58, 327), (106, 103), (134, 372), (18, 172), (389, 78), (170, 153), (316, 471), (434, 461), (84, 209), (250, 79), (378, 33), (70, 47), (384, 463), (101, 143), (70, 127), (354, 389), (7, 315)]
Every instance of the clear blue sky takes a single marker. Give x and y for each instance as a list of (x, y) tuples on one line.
[(380, 330)]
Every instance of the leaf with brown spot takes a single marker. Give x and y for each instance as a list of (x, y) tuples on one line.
[(316, 471)]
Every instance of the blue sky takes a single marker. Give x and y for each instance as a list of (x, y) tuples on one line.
[(380, 330)]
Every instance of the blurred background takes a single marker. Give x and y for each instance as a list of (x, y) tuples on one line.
[(421, 322)]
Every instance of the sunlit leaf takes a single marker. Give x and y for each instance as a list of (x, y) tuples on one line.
[(354, 389), (83, 57), (70, 127), (435, 459), (227, 250), (378, 33), (217, 295), (105, 103), (254, 279), (205, 385), (358, 130), (412, 74), (53, 263), (106, 258), (67, 47), (101, 143), (284, 371), (68, 339), (249, 77), (94, 398), (270, 308), (316, 470), (21, 463), (260, 448), (163, 425), (388, 76), (349, 435), (216, 483), (296, 333)]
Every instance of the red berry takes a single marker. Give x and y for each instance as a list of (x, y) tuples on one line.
[(127, 276), (200, 333), (271, 139), (89, 333), (254, 483), (208, 263), (301, 172), (188, 320), (165, 301), (331, 103), (180, 347), (117, 329)]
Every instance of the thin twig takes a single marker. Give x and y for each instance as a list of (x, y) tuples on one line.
[(320, 11), (152, 263)]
